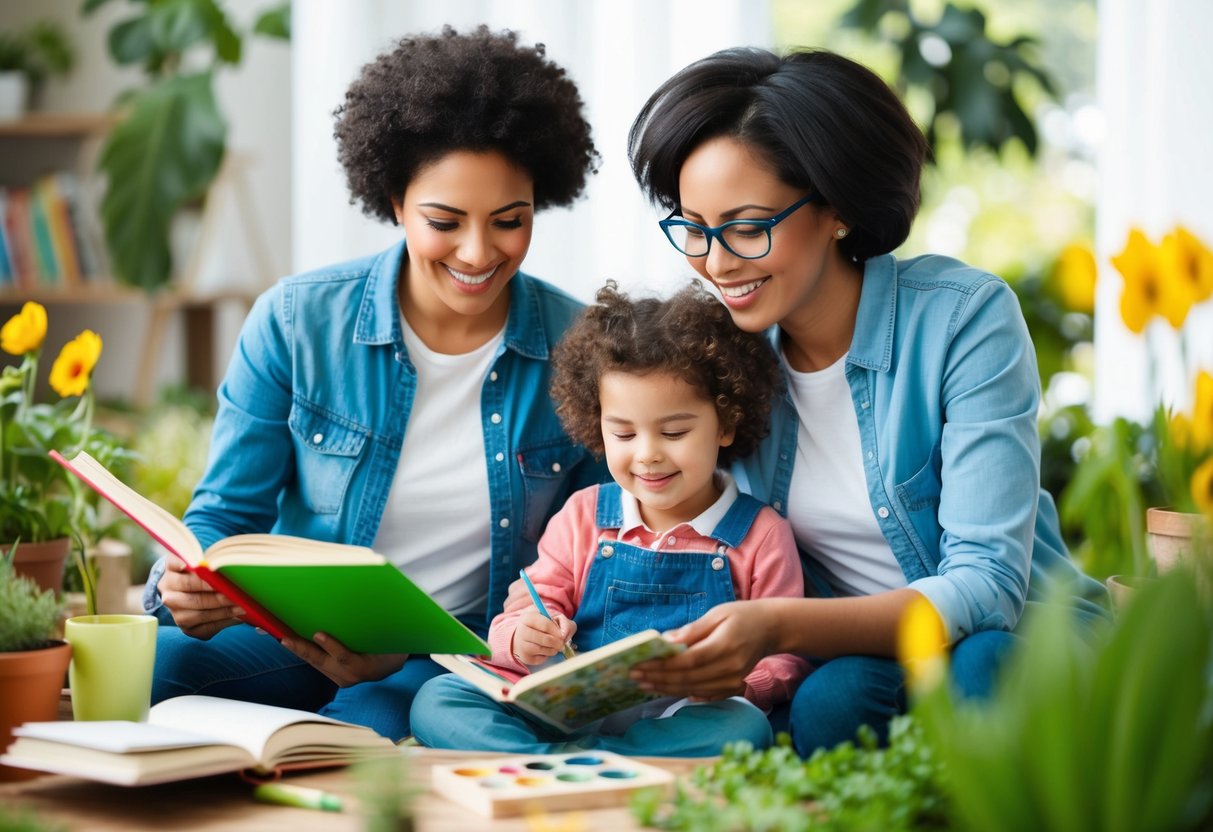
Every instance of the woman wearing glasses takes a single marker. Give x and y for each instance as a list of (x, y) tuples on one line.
[(905, 452)]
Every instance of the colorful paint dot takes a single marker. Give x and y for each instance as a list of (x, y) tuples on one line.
[(617, 774), (531, 781), (541, 766), (574, 776), (583, 761), (473, 772)]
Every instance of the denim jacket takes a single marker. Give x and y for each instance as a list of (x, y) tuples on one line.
[(944, 383), (314, 407)]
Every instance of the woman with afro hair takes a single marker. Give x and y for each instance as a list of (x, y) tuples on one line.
[(669, 391), (399, 401)]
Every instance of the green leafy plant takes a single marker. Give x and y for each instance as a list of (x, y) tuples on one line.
[(967, 75), (27, 614), (852, 786), (171, 138), (40, 51), (1107, 730)]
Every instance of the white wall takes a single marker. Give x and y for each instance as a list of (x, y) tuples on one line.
[(617, 51), (255, 98), (1155, 70)]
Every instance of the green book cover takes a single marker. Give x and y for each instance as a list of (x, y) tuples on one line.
[(368, 608)]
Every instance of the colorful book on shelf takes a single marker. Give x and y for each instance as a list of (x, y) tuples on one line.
[(292, 585), (194, 736), (20, 239), (6, 263), (58, 219), (573, 692), (48, 267)]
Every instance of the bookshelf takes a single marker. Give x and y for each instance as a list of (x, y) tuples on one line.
[(43, 143)]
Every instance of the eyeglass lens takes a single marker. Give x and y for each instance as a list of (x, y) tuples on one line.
[(744, 239)]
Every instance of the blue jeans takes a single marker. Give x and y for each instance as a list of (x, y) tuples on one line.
[(450, 713), (242, 663), (850, 691)]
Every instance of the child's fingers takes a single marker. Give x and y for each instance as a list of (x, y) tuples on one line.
[(567, 627)]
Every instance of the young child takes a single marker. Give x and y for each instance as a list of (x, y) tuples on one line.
[(669, 391)]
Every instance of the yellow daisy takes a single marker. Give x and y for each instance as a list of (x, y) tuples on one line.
[(25, 331), (1074, 275), (1147, 292), (1188, 261), (1202, 487), (922, 644), (72, 369)]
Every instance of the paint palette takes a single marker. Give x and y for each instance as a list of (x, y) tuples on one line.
[(552, 782)]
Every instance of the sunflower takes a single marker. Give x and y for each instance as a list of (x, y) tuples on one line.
[(1074, 275), (72, 369), (1147, 290), (1188, 262), (25, 331)]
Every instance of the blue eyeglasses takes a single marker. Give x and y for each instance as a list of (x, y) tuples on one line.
[(747, 239)]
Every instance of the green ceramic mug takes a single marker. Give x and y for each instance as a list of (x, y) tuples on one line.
[(111, 670)]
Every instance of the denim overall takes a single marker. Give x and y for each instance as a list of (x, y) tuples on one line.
[(629, 589)]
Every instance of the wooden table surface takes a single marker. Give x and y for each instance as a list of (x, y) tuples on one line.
[(225, 803)]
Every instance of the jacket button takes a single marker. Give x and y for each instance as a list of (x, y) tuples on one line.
[(493, 376), (777, 505), (504, 522), (317, 438), (500, 456), (717, 564), (495, 418), (883, 512), (555, 467), (607, 551)]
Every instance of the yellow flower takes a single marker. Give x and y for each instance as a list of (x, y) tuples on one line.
[(1075, 275), (71, 370), (1188, 262), (1202, 413), (1147, 292), (25, 331), (922, 644), (1181, 431), (1202, 487)]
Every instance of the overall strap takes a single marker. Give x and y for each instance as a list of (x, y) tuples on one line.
[(735, 524), (609, 513)]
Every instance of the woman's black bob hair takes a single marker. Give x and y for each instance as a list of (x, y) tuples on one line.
[(479, 91), (824, 123)]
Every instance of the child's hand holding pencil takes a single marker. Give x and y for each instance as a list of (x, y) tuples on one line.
[(541, 634)]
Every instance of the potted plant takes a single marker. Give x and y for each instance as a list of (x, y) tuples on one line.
[(40, 504), (27, 57), (32, 661), (170, 139)]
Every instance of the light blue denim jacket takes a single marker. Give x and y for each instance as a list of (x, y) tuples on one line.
[(944, 382), (314, 407)]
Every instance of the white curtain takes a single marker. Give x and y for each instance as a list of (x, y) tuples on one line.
[(617, 51), (1155, 71)]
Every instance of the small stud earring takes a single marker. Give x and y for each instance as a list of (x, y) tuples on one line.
[(840, 233)]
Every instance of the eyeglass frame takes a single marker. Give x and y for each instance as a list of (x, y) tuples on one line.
[(717, 232)]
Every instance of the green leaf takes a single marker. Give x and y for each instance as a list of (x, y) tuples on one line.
[(275, 22), (132, 41), (90, 6), (224, 38), (164, 153), (178, 25)]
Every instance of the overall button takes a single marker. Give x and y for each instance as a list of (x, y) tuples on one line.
[(717, 564), (883, 512), (318, 438), (607, 551)]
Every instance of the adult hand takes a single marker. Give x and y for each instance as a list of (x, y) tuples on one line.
[(344, 666), (198, 609), (722, 648), (538, 637)]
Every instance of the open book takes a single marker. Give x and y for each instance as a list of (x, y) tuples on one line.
[(193, 736), (291, 585), (577, 691)]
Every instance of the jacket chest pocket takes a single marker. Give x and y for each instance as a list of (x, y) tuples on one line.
[(546, 470), (632, 607), (327, 452)]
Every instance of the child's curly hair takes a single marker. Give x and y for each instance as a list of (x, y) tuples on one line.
[(479, 91), (691, 336)]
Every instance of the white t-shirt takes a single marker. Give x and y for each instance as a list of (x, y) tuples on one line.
[(435, 525), (828, 503)]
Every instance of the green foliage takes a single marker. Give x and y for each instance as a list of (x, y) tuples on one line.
[(41, 51), (27, 614), (168, 147), (14, 819), (1119, 737), (969, 76), (850, 787)]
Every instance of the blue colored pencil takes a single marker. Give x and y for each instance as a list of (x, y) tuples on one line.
[(530, 587)]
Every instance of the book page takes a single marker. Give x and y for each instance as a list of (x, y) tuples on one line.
[(286, 550), (157, 522), (118, 737), (491, 680)]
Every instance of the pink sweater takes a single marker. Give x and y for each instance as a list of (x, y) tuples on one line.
[(766, 565)]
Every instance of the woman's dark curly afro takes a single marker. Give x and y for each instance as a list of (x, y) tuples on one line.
[(691, 336), (479, 91)]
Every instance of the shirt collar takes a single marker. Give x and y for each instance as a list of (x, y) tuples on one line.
[(379, 316), (703, 525)]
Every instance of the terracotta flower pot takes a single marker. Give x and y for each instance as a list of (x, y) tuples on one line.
[(43, 562), (1169, 536), (30, 682)]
